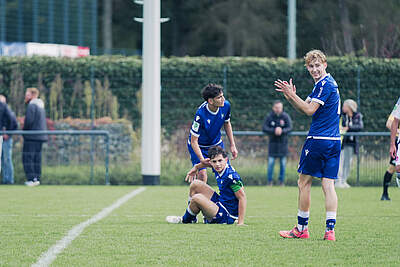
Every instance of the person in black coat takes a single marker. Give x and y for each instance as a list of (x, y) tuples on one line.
[(277, 125), (352, 121), (7, 120), (7, 166), (35, 119)]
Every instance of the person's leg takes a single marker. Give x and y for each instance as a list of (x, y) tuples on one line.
[(331, 202), (4, 179), (348, 156), (8, 176), (202, 203), (304, 202), (10, 162), (282, 170), (197, 187), (339, 181), (387, 178), (38, 160), (27, 160), (202, 175), (270, 171), (200, 187)]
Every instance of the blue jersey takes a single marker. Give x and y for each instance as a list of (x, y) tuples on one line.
[(229, 182), (325, 121), (207, 124)]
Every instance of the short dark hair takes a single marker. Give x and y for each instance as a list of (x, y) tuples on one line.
[(211, 90), (215, 151), (276, 102)]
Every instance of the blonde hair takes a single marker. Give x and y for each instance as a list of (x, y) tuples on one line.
[(33, 90), (314, 55), (351, 104)]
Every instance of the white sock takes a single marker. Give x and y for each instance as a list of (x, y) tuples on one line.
[(331, 215)]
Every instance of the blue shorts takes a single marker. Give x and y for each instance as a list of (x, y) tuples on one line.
[(320, 158), (204, 150), (223, 216)]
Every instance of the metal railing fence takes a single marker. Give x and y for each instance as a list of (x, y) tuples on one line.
[(371, 160), (54, 149)]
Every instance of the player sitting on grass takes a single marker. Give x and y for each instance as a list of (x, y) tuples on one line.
[(225, 208), (321, 151)]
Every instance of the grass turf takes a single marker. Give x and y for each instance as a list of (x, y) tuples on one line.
[(33, 219)]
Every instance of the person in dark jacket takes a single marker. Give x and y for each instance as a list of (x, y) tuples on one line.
[(351, 122), (35, 119), (6, 118), (6, 154), (277, 125)]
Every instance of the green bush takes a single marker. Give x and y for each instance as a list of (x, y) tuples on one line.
[(249, 85)]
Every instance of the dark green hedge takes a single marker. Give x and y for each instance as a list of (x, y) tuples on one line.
[(249, 84)]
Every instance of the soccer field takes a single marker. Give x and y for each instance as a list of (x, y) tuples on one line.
[(34, 219)]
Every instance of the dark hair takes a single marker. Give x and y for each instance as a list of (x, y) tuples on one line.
[(215, 151), (276, 102), (211, 90)]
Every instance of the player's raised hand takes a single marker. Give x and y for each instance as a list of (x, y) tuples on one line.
[(234, 152), (285, 87), (191, 175)]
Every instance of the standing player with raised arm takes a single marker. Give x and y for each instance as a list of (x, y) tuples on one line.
[(321, 152), (394, 142), (387, 178), (205, 132)]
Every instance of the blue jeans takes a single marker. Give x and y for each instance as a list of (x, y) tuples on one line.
[(6, 162), (271, 164)]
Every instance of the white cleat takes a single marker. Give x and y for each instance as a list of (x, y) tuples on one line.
[(398, 181), (174, 219), (32, 183)]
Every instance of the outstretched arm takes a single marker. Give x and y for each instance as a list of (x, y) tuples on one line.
[(229, 134), (241, 196), (194, 142), (289, 91)]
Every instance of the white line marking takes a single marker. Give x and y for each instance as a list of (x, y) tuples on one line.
[(49, 256)]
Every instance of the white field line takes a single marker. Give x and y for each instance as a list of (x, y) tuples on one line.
[(50, 255)]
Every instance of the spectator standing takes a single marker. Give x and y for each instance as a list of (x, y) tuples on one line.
[(277, 125), (6, 155), (351, 122), (35, 120)]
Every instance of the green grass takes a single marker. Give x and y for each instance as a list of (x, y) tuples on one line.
[(33, 219)]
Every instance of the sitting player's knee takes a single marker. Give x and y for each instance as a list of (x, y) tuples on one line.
[(196, 198)]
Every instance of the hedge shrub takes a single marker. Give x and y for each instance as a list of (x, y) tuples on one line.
[(249, 84)]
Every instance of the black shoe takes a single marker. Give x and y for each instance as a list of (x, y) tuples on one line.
[(385, 197)]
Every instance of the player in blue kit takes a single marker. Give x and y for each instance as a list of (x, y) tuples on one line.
[(205, 132), (223, 208), (321, 152)]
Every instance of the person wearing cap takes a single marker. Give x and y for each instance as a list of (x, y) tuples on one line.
[(352, 121)]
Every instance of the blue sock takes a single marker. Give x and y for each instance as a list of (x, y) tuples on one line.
[(330, 224), (189, 216), (302, 220)]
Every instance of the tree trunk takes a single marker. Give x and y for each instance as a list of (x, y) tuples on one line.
[(107, 26), (346, 27)]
